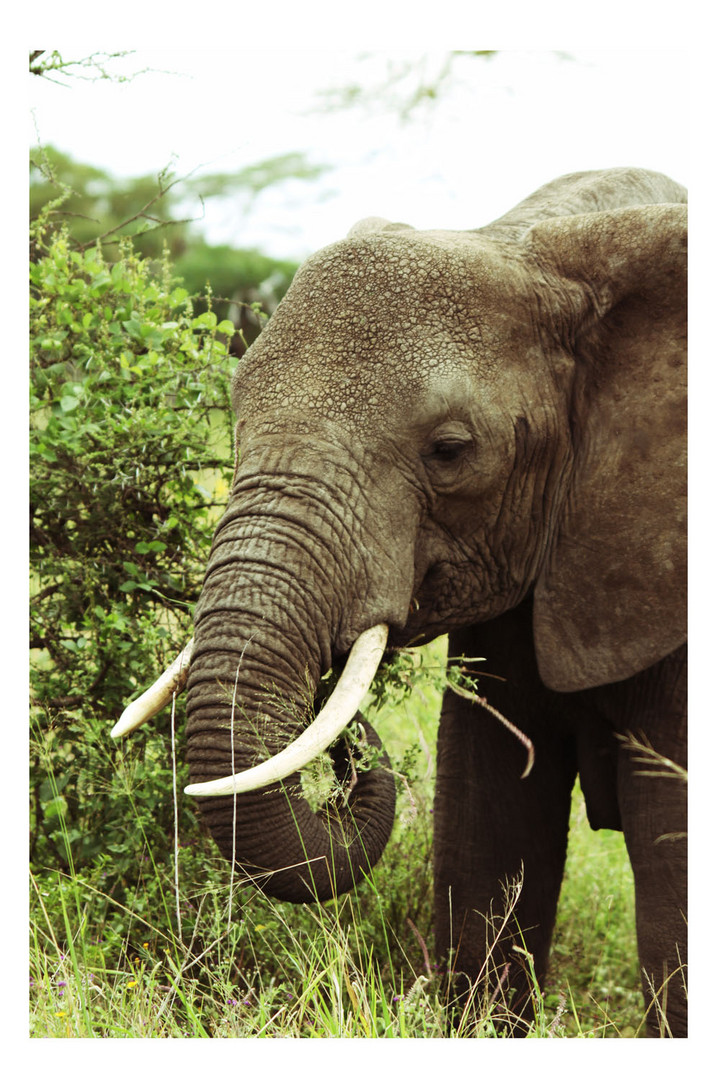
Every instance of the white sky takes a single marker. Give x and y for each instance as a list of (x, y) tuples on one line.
[(507, 126)]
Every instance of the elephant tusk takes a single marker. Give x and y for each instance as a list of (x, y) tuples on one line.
[(158, 696), (334, 717)]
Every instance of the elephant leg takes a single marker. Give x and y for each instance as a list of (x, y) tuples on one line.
[(653, 806), (493, 828)]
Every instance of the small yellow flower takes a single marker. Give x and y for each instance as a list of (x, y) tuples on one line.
[(61, 1013), (146, 944), (131, 984)]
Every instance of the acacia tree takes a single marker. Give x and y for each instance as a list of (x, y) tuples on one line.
[(407, 87)]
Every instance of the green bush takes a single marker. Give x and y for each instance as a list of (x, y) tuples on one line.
[(130, 454)]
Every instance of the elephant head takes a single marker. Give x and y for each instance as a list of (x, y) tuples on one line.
[(432, 426)]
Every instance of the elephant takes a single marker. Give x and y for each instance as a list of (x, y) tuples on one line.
[(482, 434)]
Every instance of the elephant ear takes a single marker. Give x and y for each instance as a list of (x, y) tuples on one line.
[(610, 599)]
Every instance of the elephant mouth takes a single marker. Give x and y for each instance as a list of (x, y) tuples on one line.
[(333, 718)]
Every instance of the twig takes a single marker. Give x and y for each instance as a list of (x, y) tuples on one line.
[(520, 735), (163, 188)]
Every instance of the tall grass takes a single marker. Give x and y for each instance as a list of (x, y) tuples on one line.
[(181, 955)]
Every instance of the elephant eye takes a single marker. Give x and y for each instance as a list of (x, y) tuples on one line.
[(447, 448)]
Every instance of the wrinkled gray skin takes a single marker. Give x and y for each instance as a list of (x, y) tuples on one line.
[(479, 433)]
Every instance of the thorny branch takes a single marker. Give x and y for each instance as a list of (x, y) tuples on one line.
[(54, 63)]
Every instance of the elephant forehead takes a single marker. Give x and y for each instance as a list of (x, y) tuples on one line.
[(329, 386), (370, 318), (391, 285), (383, 270)]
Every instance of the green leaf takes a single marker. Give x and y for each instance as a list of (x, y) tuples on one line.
[(57, 807), (206, 321), (134, 328), (46, 452)]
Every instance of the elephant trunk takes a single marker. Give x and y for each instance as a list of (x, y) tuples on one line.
[(264, 635)]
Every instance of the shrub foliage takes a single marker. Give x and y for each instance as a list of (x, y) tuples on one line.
[(130, 452)]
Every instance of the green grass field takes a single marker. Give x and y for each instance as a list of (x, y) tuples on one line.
[(186, 951)]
